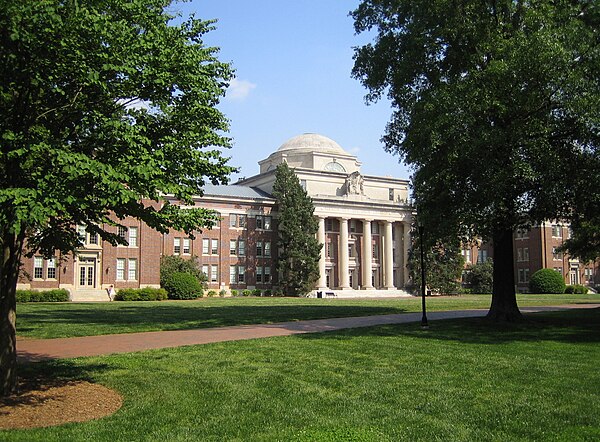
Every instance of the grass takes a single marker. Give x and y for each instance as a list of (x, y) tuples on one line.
[(461, 380), (56, 320)]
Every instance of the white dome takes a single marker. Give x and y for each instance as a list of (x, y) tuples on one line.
[(312, 143)]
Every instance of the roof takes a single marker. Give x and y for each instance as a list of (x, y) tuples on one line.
[(236, 191), (313, 143)]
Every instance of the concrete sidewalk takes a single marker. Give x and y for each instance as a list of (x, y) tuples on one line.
[(41, 349)]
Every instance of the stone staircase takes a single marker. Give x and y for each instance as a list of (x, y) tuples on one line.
[(349, 294), (88, 295)]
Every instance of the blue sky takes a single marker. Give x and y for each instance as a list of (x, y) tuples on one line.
[(293, 60)]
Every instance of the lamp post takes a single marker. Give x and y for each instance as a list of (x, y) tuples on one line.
[(424, 323)]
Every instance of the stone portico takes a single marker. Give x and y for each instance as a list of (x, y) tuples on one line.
[(364, 221)]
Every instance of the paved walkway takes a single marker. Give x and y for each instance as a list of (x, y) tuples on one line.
[(40, 349)]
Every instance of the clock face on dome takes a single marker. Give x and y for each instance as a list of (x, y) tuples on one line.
[(334, 167)]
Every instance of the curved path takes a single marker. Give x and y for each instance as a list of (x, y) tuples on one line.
[(41, 349)]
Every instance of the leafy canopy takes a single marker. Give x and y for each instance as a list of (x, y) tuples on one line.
[(299, 250), (105, 103)]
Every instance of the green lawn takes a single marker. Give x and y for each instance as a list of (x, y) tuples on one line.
[(461, 380), (54, 320)]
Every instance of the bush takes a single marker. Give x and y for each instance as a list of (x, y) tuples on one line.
[(480, 277), (268, 292), (222, 293), (177, 264), (145, 294), (55, 295), (234, 293), (547, 281), (183, 286), (576, 289), (257, 292), (247, 293), (212, 293)]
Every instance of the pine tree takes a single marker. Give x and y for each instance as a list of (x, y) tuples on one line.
[(299, 250)]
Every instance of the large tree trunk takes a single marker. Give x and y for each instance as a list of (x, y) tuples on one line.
[(504, 299), (9, 271)]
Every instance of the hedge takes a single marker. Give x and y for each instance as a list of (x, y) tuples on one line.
[(145, 294), (547, 281), (55, 295), (181, 285), (576, 289)]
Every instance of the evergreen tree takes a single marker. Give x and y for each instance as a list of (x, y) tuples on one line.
[(298, 248)]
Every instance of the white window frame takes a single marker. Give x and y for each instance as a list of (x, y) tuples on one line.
[(120, 269), (132, 269), (133, 237)]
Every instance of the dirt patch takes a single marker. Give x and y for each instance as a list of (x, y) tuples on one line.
[(44, 403)]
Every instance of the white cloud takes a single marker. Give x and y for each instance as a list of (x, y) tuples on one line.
[(239, 89)]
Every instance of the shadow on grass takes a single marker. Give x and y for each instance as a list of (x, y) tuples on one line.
[(572, 326), (180, 317)]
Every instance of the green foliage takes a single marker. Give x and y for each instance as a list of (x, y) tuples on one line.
[(246, 292), (576, 289), (234, 293), (181, 285), (547, 281), (299, 250), (143, 294), (257, 292), (480, 277), (496, 109), (268, 292), (443, 265), (177, 264), (56, 295), (222, 293), (212, 293)]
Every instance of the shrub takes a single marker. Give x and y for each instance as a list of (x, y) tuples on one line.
[(222, 293), (257, 292), (55, 295), (480, 277), (177, 264), (268, 292), (247, 292), (547, 281), (234, 293), (212, 293), (145, 294), (181, 285), (576, 289)]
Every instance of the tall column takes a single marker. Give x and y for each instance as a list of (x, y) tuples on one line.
[(367, 256), (343, 255), (405, 248), (321, 238), (388, 257)]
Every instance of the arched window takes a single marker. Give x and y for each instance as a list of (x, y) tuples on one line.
[(334, 167)]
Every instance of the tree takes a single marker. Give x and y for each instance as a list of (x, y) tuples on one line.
[(107, 106), (298, 248), (443, 265), (480, 277), (170, 264), (496, 104)]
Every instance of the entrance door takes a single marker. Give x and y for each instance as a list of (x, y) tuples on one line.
[(87, 272), (574, 275)]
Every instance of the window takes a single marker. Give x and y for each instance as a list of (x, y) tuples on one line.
[(482, 255), (82, 233), (520, 276), (232, 274), (519, 254), (329, 224), (375, 228), (525, 253), (267, 251), (232, 220), (353, 225), (132, 269), (522, 234), (233, 247), (329, 248), (93, 238), (263, 222), (214, 248), (375, 250), (186, 246), (558, 269), (259, 275), (133, 236), (241, 247), (391, 194), (556, 255), (214, 273), (466, 253), (556, 230), (267, 274), (38, 267), (176, 246), (303, 184), (259, 248), (205, 270), (237, 220), (120, 269), (589, 274), (51, 269), (241, 274), (334, 167), (122, 231), (242, 221), (525, 275), (205, 245)]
